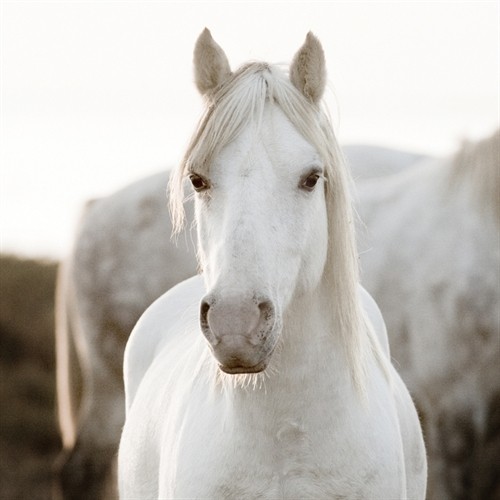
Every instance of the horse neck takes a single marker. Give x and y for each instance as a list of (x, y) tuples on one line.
[(310, 351), (308, 371)]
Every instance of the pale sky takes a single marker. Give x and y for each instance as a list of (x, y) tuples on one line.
[(97, 94)]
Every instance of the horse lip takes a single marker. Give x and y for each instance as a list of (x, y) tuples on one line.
[(235, 370)]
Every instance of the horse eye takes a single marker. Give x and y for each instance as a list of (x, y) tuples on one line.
[(198, 182), (310, 181)]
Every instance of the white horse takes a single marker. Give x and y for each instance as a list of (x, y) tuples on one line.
[(432, 261), (328, 416)]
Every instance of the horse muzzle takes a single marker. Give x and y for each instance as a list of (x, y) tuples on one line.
[(241, 332)]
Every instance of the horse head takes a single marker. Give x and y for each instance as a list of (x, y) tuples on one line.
[(260, 200)]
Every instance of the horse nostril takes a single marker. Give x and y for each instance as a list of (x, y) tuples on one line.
[(266, 310), (204, 307), (205, 325)]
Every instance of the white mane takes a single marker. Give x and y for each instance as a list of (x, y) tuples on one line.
[(477, 164), (240, 102)]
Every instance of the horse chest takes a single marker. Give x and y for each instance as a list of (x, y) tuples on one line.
[(287, 461), (251, 466)]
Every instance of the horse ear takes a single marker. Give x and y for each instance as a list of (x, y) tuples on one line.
[(211, 67), (308, 71)]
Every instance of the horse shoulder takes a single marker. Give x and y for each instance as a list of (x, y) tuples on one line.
[(155, 328), (409, 425), (412, 440)]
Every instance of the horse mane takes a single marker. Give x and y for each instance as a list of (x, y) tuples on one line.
[(240, 102), (477, 165)]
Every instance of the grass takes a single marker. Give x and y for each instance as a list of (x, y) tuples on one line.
[(29, 440)]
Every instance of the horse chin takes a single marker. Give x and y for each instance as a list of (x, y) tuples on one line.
[(238, 370)]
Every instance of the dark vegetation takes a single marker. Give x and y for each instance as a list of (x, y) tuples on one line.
[(29, 440)]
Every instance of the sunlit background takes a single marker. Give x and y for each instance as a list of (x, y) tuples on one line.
[(95, 95)]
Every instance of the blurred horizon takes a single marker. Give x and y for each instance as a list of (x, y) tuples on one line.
[(97, 95)]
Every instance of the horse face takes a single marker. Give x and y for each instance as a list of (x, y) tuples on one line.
[(262, 229)]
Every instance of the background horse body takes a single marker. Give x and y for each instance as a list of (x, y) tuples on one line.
[(124, 246), (432, 261), (123, 259), (279, 295)]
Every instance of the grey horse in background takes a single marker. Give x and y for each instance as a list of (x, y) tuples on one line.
[(431, 260), (122, 260)]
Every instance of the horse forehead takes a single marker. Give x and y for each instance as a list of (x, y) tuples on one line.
[(283, 143), (273, 147)]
